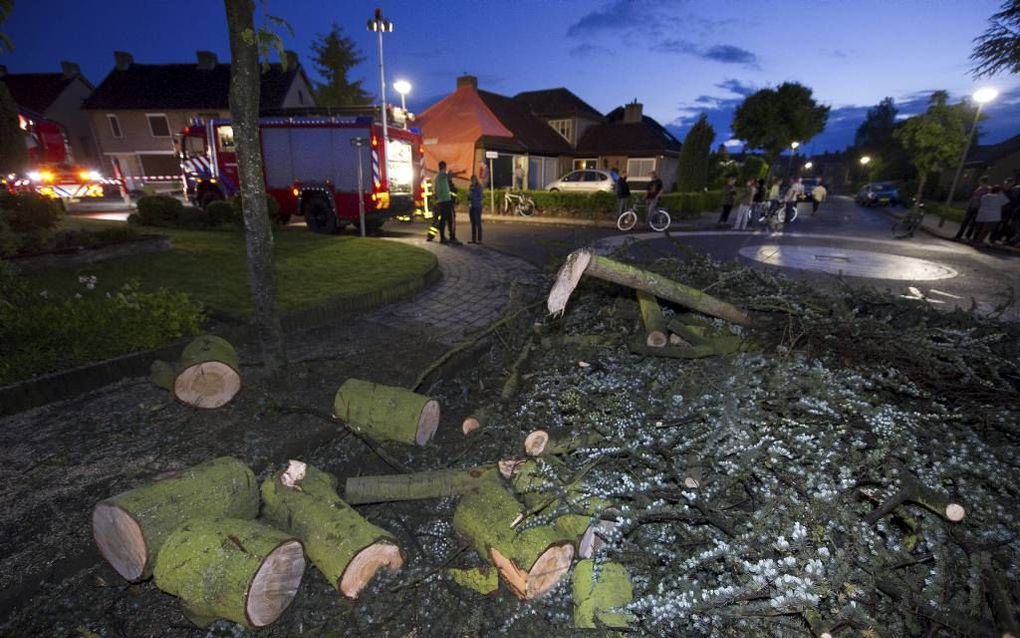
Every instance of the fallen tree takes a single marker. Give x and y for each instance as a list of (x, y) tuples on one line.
[(206, 376), (387, 413), (413, 487)]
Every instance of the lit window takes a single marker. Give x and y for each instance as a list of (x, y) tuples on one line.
[(159, 126), (114, 125), (585, 163), (225, 135), (640, 167)]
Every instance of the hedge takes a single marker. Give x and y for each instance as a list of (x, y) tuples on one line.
[(602, 205), (170, 212)]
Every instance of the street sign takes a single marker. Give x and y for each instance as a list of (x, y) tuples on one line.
[(491, 154)]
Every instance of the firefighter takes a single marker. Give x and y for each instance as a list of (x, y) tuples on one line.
[(444, 207)]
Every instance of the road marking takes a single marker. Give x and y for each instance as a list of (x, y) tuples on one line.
[(944, 294), (850, 262)]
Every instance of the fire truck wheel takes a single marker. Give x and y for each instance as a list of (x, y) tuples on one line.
[(319, 216), (207, 198)]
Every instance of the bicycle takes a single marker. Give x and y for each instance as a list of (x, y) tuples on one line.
[(771, 214), (908, 225), (519, 203), (658, 221)]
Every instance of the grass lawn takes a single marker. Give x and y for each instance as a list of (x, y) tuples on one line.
[(210, 266)]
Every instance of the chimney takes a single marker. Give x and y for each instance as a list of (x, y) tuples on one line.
[(291, 59), (632, 112), (206, 60), (3, 70), (467, 80), (124, 60), (69, 69)]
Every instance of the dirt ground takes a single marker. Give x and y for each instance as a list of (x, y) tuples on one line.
[(795, 437)]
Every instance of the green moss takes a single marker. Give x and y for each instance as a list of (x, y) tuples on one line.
[(484, 580), (596, 599)]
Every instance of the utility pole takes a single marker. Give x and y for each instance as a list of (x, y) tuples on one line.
[(360, 142), (380, 26)]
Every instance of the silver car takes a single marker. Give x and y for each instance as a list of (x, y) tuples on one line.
[(583, 181)]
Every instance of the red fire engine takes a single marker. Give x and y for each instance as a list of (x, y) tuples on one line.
[(311, 166)]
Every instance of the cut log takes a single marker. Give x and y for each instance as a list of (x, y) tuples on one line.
[(913, 491), (479, 419), (538, 443), (513, 381), (229, 568), (413, 487), (387, 413), (484, 580), (206, 376), (584, 262), (692, 477), (130, 528), (346, 548), (638, 346), (599, 593), (651, 316), (531, 561)]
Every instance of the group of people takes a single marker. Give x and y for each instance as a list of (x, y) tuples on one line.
[(993, 213), (622, 191), (779, 199), (445, 194)]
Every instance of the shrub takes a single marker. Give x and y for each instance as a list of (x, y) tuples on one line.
[(192, 217), (272, 208), (221, 212), (8, 240), (28, 212), (40, 333), (158, 210)]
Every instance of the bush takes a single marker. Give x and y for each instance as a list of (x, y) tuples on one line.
[(158, 210), (221, 212), (193, 217), (8, 240), (272, 208), (40, 333), (29, 212)]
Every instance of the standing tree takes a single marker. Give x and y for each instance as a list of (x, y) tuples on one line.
[(6, 7), (245, 43), (334, 56), (692, 172), (13, 154), (998, 48), (772, 119), (875, 138), (934, 139)]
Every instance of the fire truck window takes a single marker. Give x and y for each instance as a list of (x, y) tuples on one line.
[(225, 134), (194, 146)]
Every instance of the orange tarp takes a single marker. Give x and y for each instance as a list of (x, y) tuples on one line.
[(451, 127)]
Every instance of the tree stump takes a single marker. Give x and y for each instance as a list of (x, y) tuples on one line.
[(131, 527), (598, 595), (230, 568), (386, 413), (206, 376), (346, 548)]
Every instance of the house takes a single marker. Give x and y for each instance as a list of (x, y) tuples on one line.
[(57, 97), (544, 133), (138, 109), (997, 161)]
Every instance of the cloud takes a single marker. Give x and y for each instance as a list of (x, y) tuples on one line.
[(725, 53), (619, 15), (642, 18), (587, 50), (839, 54), (736, 86)]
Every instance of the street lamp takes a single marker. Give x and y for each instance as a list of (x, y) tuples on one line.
[(380, 26), (809, 165), (794, 145), (865, 160), (982, 96), (793, 156), (403, 87)]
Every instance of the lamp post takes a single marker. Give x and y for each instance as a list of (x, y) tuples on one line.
[(865, 160), (380, 26), (808, 165), (981, 97), (403, 87), (360, 142), (793, 156)]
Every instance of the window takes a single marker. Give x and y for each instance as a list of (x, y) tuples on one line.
[(564, 128), (159, 126), (591, 176), (225, 135), (585, 163), (640, 167), (114, 125), (573, 177)]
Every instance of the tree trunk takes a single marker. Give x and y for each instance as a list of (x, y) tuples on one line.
[(922, 179), (651, 316), (584, 262), (413, 487), (386, 413), (206, 376), (597, 591), (346, 548), (244, 111), (230, 568), (130, 528)]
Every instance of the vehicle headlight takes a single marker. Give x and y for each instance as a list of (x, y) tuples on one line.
[(95, 176), (35, 176)]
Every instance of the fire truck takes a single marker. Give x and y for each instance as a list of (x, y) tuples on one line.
[(51, 170), (311, 167)]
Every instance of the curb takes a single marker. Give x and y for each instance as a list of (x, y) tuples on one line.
[(950, 237), (58, 386)]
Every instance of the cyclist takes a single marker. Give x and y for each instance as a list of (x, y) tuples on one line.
[(793, 195), (622, 193), (653, 193)]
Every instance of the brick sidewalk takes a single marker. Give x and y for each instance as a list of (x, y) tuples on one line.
[(947, 230)]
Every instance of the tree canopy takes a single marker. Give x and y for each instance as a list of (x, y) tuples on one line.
[(6, 7), (997, 50), (935, 139), (692, 172), (772, 119), (13, 153), (875, 137), (334, 55)]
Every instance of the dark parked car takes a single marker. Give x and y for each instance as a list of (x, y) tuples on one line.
[(878, 194)]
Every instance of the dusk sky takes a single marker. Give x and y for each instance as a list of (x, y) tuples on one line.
[(677, 58)]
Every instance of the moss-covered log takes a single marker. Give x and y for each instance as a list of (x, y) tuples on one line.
[(345, 547), (599, 593), (413, 487), (231, 568), (484, 580), (206, 376), (531, 561), (538, 443), (584, 262), (913, 491), (387, 413), (130, 528), (651, 316)]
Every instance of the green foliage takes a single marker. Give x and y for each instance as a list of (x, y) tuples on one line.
[(13, 153), (997, 50), (45, 332), (8, 239), (772, 119), (334, 55), (934, 140), (272, 209), (168, 212), (753, 167), (158, 210), (27, 212), (875, 138), (692, 171), (221, 212), (6, 6)]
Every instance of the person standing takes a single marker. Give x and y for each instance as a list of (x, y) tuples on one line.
[(444, 206), (968, 225), (729, 197), (622, 193), (518, 177), (793, 195), (746, 201), (653, 193), (989, 213), (818, 195), (1007, 227), (475, 210)]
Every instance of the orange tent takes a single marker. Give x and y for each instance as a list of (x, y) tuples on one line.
[(451, 127)]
